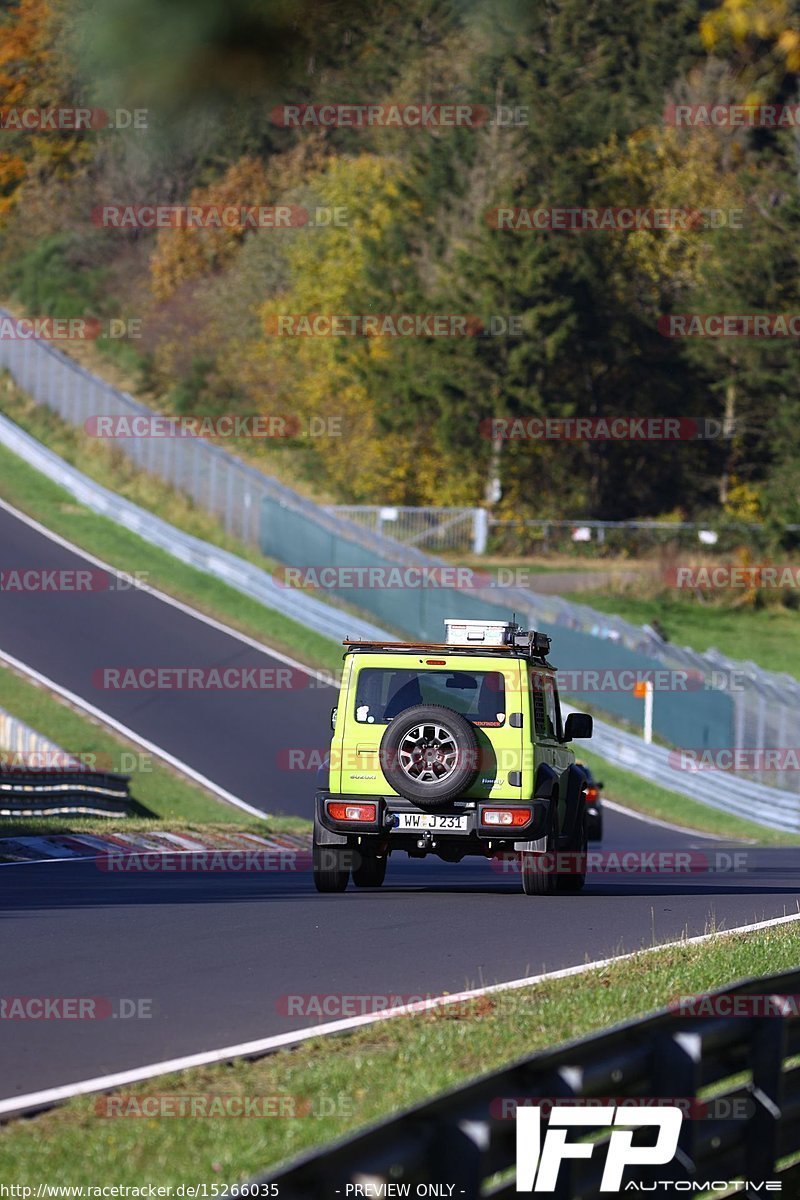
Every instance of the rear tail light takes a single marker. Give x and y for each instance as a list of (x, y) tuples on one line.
[(352, 812), (591, 795), (513, 817)]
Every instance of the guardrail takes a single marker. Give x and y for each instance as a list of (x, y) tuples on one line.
[(46, 792), (467, 1137), (772, 807), (766, 708), (20, 740), (237, 572), (723, 790)]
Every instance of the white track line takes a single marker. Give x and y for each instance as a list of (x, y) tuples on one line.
[(262, 1046), (251, 641), (118, 727), (638, 816), (320, 676)]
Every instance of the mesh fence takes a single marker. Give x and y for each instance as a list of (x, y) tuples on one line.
[(741, 705)]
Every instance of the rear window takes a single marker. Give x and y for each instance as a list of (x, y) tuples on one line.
[(383, 693)]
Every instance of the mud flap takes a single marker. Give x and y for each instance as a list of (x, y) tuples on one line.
[(575, 787), (537, 846)]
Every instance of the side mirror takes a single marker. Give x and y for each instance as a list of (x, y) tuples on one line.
[(333, 718), (599, 785), (578, 725)]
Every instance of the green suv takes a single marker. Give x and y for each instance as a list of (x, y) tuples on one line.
[(452, 749)]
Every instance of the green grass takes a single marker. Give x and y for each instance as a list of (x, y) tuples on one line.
[(12, 827), (168, 795), (643, 796), (366, 1075), (31, 492), (37, 496), (768, 636)]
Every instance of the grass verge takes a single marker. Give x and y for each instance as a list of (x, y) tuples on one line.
[(31, 492), (645, 797), (42, 499), (177, 803), (767, 636), (337, 1085), (164, 791)]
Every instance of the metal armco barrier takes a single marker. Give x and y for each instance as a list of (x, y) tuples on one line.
[(764, 712), (47, 792), (769, 806), (467, 1137), (235, 571)]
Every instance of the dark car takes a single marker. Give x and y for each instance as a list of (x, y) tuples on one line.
[(594, 805)]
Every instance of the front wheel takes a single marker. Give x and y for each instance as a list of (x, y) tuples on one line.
[(331, 868), (370, 872)]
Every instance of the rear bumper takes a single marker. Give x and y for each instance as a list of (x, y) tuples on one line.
[(475, 838)]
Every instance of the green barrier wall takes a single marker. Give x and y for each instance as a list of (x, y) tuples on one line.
[(693, 719)]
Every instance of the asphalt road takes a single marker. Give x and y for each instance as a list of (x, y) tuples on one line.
[(212, 955), (209, 957), (238, 738)]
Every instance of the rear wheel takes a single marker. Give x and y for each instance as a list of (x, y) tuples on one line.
[(370, 872), (429, 754), (331, 868), (538, 873)]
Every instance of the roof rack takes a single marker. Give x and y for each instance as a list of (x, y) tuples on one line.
[(526, 644)]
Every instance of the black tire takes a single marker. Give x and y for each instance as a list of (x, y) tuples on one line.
[(331, 868), (538, 874), (451, 737), (572, 882), (371, 870)]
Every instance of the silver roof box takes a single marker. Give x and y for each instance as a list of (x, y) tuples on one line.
[(480, 633)]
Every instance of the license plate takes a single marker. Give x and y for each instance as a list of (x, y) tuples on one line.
[(413, 821)]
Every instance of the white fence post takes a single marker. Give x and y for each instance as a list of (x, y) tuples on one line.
[(480, 530)]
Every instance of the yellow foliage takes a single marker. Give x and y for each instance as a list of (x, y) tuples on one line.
[(319, 376), (32, 76), (765, 20), (662, 167), (185, 254), (743, 502)]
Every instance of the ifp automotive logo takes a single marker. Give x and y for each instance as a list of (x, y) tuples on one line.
[(539, 1158)]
